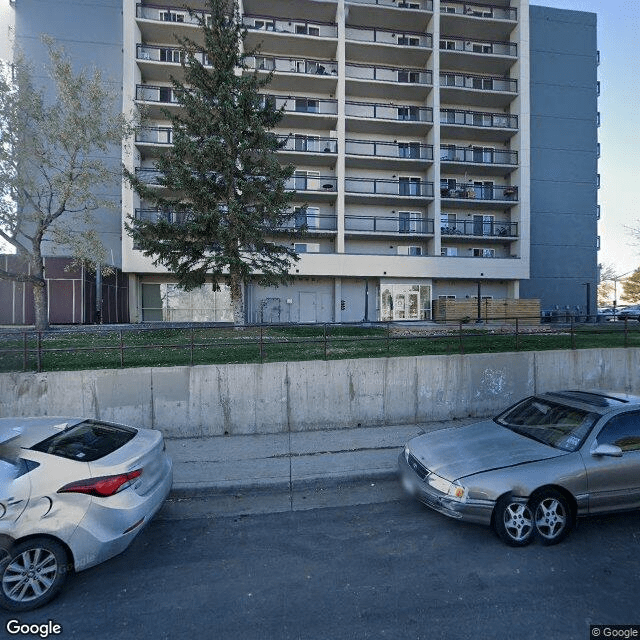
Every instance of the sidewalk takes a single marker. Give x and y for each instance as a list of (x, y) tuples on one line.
[(228, 464)]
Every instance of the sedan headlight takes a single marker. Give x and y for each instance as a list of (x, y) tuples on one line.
[(451, 489)]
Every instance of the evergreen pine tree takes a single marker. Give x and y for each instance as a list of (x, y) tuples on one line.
[(223, 190)]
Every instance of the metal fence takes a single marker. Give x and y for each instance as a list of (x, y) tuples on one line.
[(116, 346)]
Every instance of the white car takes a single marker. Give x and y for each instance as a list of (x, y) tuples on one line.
[(73, 493)]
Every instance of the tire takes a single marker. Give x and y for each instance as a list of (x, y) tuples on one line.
[(513, 521), (32, 574), (553, 516)]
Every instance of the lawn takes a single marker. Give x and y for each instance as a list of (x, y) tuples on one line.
[(104, 348)]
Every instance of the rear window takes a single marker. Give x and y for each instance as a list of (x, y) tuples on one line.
[(87, 441)]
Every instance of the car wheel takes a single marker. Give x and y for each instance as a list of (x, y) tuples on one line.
[(32, 573), (513, 522), (553, 516)]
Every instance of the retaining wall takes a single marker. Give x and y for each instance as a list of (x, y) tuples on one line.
[(305, 396)]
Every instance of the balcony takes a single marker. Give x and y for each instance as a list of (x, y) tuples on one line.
[(404, 224), (152, 60), (161, 23), (154, 135), (391, 14), (477, 195), (387, 117), (479, 228), (388, 82), (318, 75), (312, 186), (483, 20), (305, 112), (317, 150), (148, 175), (387, 191), (487, 126), (382, 154), (493, 161), (156, 99), (315, 223), (290, 36), (479, 56), (477, 90), (380, 45)]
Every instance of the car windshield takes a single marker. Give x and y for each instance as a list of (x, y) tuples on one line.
[(557, 425)]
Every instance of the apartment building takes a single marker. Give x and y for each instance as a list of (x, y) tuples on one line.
[(408, 123)]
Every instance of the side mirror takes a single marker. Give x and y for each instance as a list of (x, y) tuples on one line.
[(607, 450)]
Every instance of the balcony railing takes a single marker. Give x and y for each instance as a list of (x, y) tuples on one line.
[(381, 186), (402, 224), (293, 65), (471, 191), (420, 5), (388, 111), (154, 215), (292, 26), (301, 104), (168, 14), (391, 37), (155, 135), (489, 47), (389, 74), (321, 184), (148, 175), (476, 10), (482, 228), (389, 149), (313, 222), (472, 81), (478, 119), (149, 93), (477, 155), (172, 55), (308, 144)]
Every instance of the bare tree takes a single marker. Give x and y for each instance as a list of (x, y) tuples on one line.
[(51, 166)]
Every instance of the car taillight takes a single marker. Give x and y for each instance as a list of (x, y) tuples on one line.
[(102, 486)]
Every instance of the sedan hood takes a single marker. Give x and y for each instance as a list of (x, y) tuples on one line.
[(463, 451)]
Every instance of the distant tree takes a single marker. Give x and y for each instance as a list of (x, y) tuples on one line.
[(50, 165), (631, 287), (225, 189), (606, 287)]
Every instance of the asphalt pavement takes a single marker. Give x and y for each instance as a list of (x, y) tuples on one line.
[(290, 471)]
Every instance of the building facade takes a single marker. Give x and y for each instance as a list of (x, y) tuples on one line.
[(410, 128)]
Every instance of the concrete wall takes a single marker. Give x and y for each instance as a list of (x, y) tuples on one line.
[(564, 107), (301, 396)]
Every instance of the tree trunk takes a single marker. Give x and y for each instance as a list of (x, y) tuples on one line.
[(237, 300), (40, 306)]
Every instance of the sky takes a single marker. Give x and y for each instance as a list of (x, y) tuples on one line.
[(619, 132)]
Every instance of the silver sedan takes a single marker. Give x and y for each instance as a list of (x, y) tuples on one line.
[(535, 468), (73, 493)]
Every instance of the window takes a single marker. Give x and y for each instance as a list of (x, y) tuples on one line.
[(408, 113), (170, 55), (305, 29), (411, 250), (412, 77), (265, 64), (87, 441), (449, 45), (483, 225), (307, 105), (409, 186), (484, 253), (622, 431), (307, 180), (166, 94), (306, 143), (449, 251), (266, 25), (446, 297), (310, 217), (308, 247), (172, 16), (408, 149), (410, 41), (409, 221)]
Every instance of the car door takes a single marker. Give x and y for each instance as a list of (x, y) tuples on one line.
[(614, 482)]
